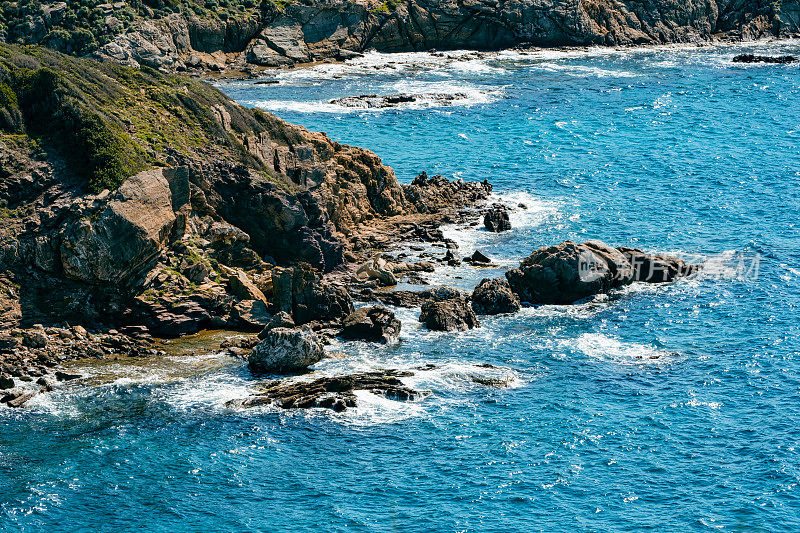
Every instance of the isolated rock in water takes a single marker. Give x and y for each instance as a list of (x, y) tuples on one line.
[(561, 274), (448, 315), (478, 257), (374, 324), (337, 393), (568, 272), (374, 101), (280, 320), (497, 220), (286, 350), (493, 297), (751, 58), (656, 268), (418, 298)]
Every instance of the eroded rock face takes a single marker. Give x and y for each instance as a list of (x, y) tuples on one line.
[(337, 393), (454, 314), (301, 293), (373, 324), (494, 297), (284, 351), (298, 32), (126, 235)]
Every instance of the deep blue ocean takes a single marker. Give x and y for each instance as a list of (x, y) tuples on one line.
[(659, 408)]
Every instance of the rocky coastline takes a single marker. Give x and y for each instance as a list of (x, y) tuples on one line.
[(287, 34), (231, 219)]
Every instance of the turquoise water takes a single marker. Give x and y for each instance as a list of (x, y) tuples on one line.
[(659, 408)]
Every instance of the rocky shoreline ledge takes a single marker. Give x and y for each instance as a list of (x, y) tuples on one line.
[(118, 233)]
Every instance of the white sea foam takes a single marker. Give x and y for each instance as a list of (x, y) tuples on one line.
[(603, 347)]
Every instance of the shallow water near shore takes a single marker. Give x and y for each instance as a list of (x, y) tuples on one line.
[(656, 408)]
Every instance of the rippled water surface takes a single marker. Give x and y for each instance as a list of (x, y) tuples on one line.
[(659, 408)]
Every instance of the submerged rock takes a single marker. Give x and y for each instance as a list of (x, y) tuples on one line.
[(374, 324), (285, 350), (337, 393), (493, 297), (778, 60), (454, 314), (497, 220)]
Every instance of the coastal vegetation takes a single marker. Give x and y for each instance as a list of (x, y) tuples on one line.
[(110, 121)]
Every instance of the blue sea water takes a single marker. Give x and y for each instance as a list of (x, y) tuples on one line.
[(664, 408)]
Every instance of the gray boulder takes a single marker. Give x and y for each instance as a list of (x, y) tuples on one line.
[(285, 350)]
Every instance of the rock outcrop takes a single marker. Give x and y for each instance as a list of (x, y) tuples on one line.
[(337, 393), (494, 297), (568, 272), (454, 314), (303, 32), (284, 351), (775, 60), (373, 324), (497, 220)]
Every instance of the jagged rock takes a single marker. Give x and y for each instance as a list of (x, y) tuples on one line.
[(437, 193), (497, 220), (244, 289), (377, 268), (751, 58), (280, 320), (299, 32), (560, 274), (656, 268), (66, 376), (374, 324), (18, 398), (6, 382), (373, 101), (418, 298), (454, 314), (337, 393), (285, 351), (127, 234), (300, 292), (569, 272), (478, 258), (35, 339), (494, 296), (251, 314)]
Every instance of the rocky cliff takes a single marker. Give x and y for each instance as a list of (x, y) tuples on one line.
[(299, 32), (186, 34), (134, 197)]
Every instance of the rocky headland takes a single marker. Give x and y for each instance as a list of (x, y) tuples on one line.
[(139, 205)]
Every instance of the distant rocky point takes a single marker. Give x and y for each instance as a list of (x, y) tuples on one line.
[(778, 60)]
